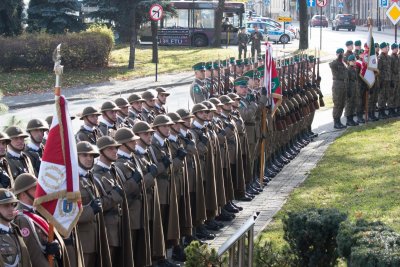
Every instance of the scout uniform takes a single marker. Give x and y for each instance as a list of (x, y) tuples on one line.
[(135, 115), (91, 227), (148, 106), (6, 180), (107, 127), (13, 251), (33, 150), (198, 92), (88, 133), (159, 106), (122, 114), (339, 88), (18, 162)]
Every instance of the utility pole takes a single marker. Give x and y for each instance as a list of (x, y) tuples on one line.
[(378, 16)]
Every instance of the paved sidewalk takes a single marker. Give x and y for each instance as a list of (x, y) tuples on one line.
[(269, 202)]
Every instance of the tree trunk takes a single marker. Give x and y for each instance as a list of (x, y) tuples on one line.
[(303, 17), (219, 13), (133, 39), (154, 28)]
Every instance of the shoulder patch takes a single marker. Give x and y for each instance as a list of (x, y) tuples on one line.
[(25, 232), (197, 89)]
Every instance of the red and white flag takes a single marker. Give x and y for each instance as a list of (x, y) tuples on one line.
[(271, 79), (370, 62), (57, 193)]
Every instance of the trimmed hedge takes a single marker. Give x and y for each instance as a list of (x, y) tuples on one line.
[(368, 244), (86, 49)]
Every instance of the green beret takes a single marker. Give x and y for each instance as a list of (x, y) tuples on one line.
[(349, 43), (260, 70), (209, 65), (311, 58), (239, 62), (232, 60), (394, 46), (241, 81), (376, 45), (251, 74), (296, 58), (199, 66), (383, 45), (357, 43), (216, 65), (339, 51), (351, 58), (247, 61), (225, 62)]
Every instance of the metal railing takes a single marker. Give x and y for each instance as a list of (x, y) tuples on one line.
[(236, 245)]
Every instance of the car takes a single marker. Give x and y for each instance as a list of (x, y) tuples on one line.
[(288, 25), (270, 33), (318, 20), (344, 21)]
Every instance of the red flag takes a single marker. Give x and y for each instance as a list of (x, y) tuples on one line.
[(57, 194), (271, 79)]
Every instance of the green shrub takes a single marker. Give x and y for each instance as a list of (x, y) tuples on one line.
[(266, 254), (201, 256), (368, 244), (311, 235), (86, 49)]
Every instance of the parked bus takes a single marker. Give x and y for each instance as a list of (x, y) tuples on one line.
[(194, 24)]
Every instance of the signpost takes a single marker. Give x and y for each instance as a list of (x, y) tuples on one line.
[(156, 12), (393, 13), (384, 3), (321, 4)]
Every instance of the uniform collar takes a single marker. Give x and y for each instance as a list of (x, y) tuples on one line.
[(106, 122), (173, 137), (33, 146), (159, 139), (82, 172), (183, 132), (124, 154), (4, 228), (103, 165), (88, 128), (140, 149), (14, 154), (27, 207), (198, 125)]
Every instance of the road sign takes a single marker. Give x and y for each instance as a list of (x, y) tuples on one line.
[(322, 3), (284, 19), (310, 3), (340, 5), (383, 3), (393, 13), (156, 12)]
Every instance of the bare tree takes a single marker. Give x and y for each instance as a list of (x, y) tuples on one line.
[(303, 17)]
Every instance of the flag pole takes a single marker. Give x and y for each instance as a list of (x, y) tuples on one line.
[(263, 123), (366, 93), (58, 70)]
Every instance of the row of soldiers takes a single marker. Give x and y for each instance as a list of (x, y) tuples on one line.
[(351, 92), (151, 181)]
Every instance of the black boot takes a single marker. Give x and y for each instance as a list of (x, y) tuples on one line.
[(382, 115), (338, 124), (373, 116), (392, 113), (360, 118), (350, 121)]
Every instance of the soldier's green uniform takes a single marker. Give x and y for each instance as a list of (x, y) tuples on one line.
[(385, 91), (198, 92), (243, 40), (349, 51), (351, 91), (394, 100), (122, 114), (135, 111), (256, 37), (339, 88)]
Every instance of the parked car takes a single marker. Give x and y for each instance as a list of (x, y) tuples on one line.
[(288, 25), (344, 21), (320, 21), (270, 33)]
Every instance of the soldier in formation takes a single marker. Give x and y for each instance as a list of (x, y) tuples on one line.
[(152, 181)]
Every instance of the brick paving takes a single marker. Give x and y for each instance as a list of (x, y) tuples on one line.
[(274, 196)]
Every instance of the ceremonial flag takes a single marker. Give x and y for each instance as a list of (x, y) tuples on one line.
[(370, 62), (271, 79), (57, 193)]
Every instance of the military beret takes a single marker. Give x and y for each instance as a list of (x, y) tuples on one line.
[(339, 51), (311, 58), (260, 71), (357, 43), (394, 46), (239, 62), (247, 61), (351, 58), (241, 81), (225, 62), (199, 66), (209, 65), (349, 43), (383, 45), (251, 74), (232, 60), (216, 65), (376, 45)]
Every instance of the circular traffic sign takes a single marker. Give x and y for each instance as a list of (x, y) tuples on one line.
[(322, 3), (156, 12)]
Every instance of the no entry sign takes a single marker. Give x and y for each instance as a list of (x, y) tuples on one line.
[(156, 12), (322, 3)]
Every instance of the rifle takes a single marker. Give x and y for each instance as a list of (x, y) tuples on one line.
[(219, 77), (234, 71), (318, 82), (212, 81), (226, 78)]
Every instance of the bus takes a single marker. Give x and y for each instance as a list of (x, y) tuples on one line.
[(193, 24)]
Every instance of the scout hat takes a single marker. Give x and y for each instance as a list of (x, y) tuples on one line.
[(241, 81), (142, 127), (209, 105), (149, 95), (4, 137), (234, 96), (24, 182), (215, 101), (199, 66), (162, 120), (89, 111), (175, 117), (184, 113), (199, 107), (226, 100), (106, 141), (162, 91), (15, 131), (6, 196), (84, 147), (36, 124), (349, 43), (125, 135), (121, 102), (135, 98), (109, 105)]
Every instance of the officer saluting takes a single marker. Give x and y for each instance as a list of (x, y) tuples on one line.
[(13, 250)]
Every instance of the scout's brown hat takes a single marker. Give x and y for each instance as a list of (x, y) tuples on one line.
[(135, 98), (89, 111), (36, 124), (175, 117), (23, 182), (84, 147), (162, 91), (184, 113), (6, 196), (4, 137), (162, 120), (106, 141), (15, 131), (125, 135), (109, 105), (142, 127), (121, 102)]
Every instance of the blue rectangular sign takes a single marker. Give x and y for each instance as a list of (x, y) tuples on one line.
[(311, 3), (383, 3)]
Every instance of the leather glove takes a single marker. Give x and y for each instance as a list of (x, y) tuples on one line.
[(137, 177), (119, 190), (96, 205), (181, 153), (222, 132), (264, 91), (349, 93), (204, 139), (53, 248), (166, 161), (152, 169)]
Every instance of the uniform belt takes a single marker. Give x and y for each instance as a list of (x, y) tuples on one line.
[(249, 124)]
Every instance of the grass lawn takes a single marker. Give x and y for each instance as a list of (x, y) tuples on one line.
[(171, 60), (359, 175)]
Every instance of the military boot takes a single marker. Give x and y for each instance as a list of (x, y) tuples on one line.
[(382, 115), (350, 121), (360, 118), (338, 124), (392, 113)]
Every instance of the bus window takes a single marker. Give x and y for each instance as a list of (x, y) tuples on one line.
[(180, 20), (204, 18)]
